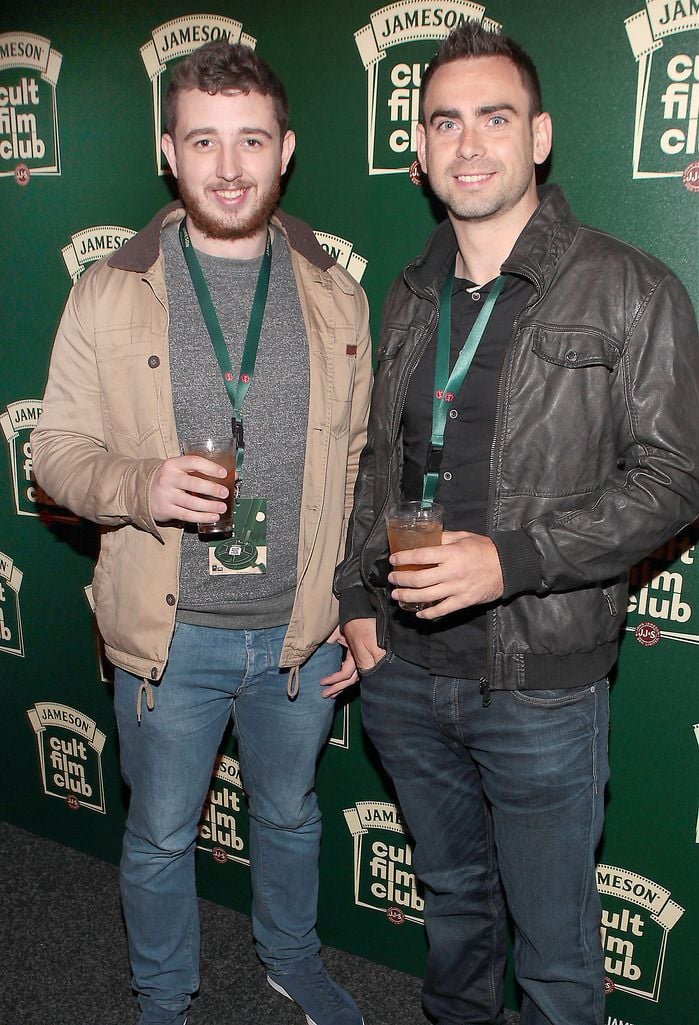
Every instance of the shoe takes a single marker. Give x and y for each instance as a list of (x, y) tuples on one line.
[(321, 1000)]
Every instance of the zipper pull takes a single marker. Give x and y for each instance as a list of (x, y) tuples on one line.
[(485, 691)]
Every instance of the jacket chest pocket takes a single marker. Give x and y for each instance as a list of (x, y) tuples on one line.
[(562, 413), (344, 370), (130, 375), (575, 350)]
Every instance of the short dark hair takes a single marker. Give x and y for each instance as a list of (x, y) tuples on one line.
[(220, 66), (472, 40)]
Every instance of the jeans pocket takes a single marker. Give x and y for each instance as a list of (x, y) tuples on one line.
[(557, 697), (387, 658)]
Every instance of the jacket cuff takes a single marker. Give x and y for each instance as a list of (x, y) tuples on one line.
[(519, 561), (355, 604)]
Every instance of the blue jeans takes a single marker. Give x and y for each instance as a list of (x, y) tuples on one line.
[(505, 803), (213, 676)]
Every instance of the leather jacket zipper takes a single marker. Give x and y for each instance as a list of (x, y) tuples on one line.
[(492, 613)]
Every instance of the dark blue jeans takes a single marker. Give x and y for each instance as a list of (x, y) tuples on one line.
[(505, 803)]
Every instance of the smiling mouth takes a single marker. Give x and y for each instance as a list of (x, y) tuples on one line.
[(474, 179), (231, 195)]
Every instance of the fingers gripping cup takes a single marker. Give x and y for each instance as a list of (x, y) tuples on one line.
[(219, 450), (413, 525)]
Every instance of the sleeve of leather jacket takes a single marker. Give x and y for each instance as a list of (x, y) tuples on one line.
[(654, 402), (349, 587), (69, 451), (354, 598)]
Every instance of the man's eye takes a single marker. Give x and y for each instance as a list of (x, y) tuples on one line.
[(498, 120), (203, 143), (252, 143), (446, 126)]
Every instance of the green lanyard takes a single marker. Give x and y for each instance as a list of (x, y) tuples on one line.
[(447, 385), (236, 391)]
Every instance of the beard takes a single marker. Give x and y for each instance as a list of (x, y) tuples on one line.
[(230, 226)]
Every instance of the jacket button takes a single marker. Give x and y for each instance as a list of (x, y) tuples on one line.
[(447, 475), (571, 356), (154, 673), (153, 362), (170, 599), (453, 413)]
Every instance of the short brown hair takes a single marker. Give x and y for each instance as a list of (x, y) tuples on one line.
[(472, 40), (220, 66)]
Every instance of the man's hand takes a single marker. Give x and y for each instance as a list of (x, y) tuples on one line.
[(173, 482), (465, 571), (360, 636), (346, 674)]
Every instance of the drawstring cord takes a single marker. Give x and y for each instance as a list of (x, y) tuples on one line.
[(293, 683)]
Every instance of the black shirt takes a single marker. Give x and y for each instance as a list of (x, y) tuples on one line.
[(456, 645)]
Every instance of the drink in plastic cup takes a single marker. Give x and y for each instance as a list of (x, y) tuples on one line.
[(222, 451), (413, 525)]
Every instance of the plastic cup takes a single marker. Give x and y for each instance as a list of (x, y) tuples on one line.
[(414, 525), (219, 450)]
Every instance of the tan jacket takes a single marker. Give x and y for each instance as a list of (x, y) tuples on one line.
[(108, 423)]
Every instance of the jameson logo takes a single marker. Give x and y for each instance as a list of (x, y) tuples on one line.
[(637, 916), (224, 827), (29, 71), (92, 244), (343, 253), (70, 755), (176, 39), (664, 593), (11, 640), (666, 139), (395, 48), (383, 862), (17, 422)]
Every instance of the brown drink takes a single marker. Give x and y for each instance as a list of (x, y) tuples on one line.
[(222, 452), (410, 525)]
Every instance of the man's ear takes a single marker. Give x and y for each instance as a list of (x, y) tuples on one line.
[(542, 130), (288, 147), (168, 147), (421, 139)]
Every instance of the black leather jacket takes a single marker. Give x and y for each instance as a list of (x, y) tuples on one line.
[(595, 458)]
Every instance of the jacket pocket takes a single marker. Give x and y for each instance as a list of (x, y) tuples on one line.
[(128, 368), (393, 338), (344, 370), (575, 349)]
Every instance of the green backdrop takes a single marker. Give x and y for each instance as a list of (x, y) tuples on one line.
[(80, 91)]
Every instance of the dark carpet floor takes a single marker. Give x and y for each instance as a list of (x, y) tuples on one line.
[(64, 962)]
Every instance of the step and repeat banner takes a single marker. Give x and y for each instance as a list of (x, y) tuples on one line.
[(81, 98)]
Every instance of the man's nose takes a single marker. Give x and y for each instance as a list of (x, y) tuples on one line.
[(470, 144), (228, 166)]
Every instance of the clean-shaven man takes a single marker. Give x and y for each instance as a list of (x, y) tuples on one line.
[(539, 380)]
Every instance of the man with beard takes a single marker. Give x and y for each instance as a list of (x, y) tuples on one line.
[(564, 454), (225, 317)]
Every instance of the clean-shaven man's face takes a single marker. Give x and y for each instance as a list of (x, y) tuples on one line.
[(479, 145)]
